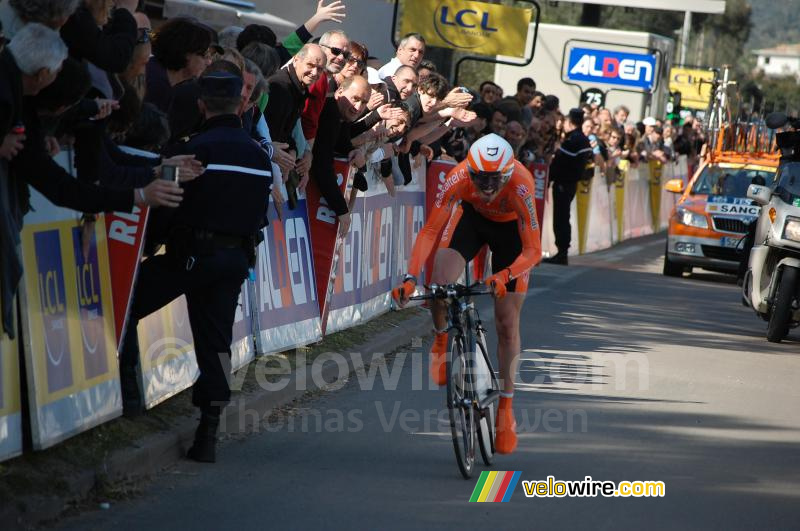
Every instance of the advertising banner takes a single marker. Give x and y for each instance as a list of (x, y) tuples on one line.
[(68, 324), (10, 408), (655, 169), (541, 176), (324, 226), (637, 218), (125, 240), (286, 298), (166, 353), (694, 84), (619, 197), (376, 251), (631, 70), (582, 202), (476, 27)]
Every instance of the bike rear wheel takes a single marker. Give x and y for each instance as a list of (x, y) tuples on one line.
[(460, 408)]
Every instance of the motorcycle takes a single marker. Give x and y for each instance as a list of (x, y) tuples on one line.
[(771, 284)]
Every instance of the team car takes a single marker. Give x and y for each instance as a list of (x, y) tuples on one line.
[(709, 221)]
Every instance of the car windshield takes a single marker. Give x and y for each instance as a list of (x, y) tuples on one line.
[(788, 184), (716, 180)]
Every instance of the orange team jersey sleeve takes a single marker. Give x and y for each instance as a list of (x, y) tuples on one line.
[(450, 193), (519, 193)]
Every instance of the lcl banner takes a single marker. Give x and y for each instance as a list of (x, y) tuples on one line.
[(694, 84), (478, 27), (68, 324), (10, 403)]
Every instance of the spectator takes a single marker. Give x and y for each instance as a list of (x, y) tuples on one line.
[(516, 135), (229, 35), (265, 56), (490, 92), (590, 129), (402, 84), (537, 104), (565, 171), (289, 90), (104, 38), (649, 123), (497, 124), (425, 68), (526, 87), (410, 52), (150, 131), (340, 110), (29, 64), (180, 53), (652, 146), (336, 46), (14, 14), (134, 73), (551, 103), (621, 113)]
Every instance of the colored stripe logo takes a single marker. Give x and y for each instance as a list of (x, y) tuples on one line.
[(495, 486)]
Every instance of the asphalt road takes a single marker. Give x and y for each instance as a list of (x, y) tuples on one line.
[(628, 375)]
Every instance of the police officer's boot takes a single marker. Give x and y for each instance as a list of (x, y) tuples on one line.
[(205, 437)]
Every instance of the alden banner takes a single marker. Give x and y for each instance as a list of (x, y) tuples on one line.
[(477, 27)]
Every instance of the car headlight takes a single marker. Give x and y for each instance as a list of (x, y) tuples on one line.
[(791, 231), (692, 219)]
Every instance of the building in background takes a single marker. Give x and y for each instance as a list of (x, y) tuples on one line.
[(781, 61)]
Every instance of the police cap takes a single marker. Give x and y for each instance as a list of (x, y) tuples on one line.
[(220, 85)]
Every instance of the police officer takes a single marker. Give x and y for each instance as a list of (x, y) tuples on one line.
[(210, 245), (565, 171)]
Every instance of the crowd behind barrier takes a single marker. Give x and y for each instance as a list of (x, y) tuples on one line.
[(70, 336)]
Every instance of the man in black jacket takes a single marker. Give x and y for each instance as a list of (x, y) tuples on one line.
[(211, 243), (27, 65), (339, 112), (565, 172), (288, 90)]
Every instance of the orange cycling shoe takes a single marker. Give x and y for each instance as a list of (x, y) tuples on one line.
[(506, 439), (439, 358)]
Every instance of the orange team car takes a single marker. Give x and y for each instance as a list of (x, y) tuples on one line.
[(709, 222)]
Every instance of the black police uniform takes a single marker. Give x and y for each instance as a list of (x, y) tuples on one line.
[(209, 248), (565, 172)]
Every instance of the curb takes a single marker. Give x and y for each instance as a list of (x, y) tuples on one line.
[(154, 452)]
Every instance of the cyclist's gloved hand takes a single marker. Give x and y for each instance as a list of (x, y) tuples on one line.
[(402, 292), (497, 283)]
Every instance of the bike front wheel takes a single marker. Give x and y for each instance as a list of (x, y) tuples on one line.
[(460, 407), (486, 422)]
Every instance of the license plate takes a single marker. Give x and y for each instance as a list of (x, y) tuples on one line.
[(729, 242)]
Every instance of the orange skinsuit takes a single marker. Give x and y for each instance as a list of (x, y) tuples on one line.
[(514, 202)]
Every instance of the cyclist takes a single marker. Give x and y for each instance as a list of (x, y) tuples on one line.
[(486, 199)]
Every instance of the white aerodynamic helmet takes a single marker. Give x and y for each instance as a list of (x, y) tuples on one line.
[(490, 162)]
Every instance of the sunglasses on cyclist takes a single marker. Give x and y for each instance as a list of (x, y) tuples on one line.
[(488, 181), (338, 51)]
